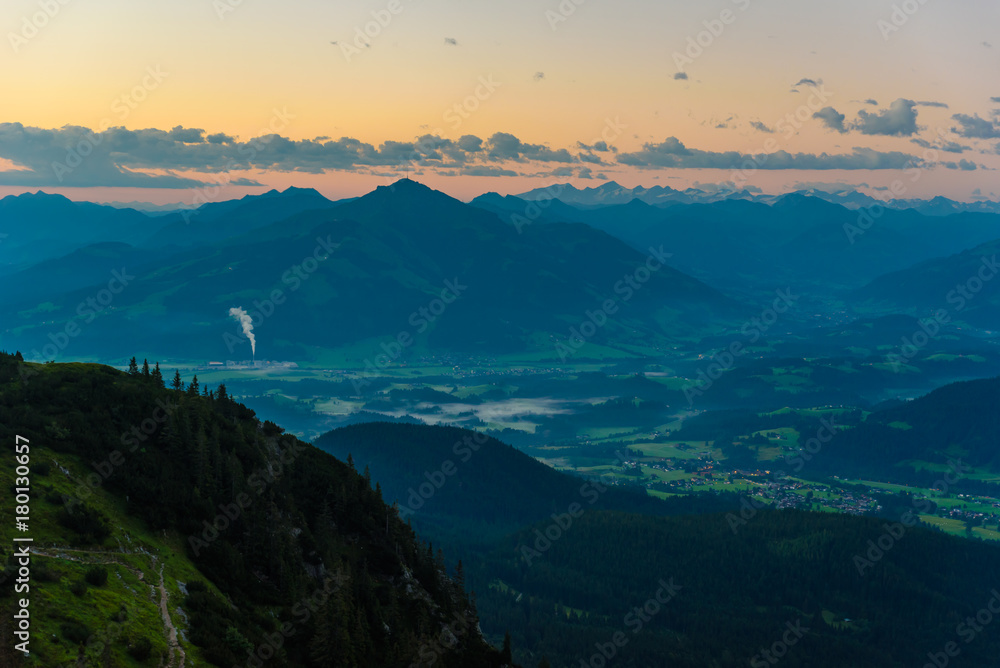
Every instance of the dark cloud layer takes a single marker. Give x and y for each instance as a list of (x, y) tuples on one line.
[(672, 153), (77, 156), (153, 158)]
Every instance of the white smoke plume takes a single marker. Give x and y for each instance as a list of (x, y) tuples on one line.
[(247, 323)]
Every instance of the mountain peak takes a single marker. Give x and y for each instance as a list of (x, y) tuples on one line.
[(302, 192), (41, 196), (405, 190), (406, 184)]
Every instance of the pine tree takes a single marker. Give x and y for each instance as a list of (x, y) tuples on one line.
[(133, 367), (145, 368), (193, 386), (177, 384), (157, 376), (220, 392)]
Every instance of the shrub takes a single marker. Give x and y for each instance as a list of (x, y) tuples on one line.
[(75, 632), (88, 522), (141, 649), (97, 576)]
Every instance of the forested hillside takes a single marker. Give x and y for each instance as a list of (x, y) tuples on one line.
[(258, 534)]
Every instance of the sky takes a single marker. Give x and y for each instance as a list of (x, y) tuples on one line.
[(193, 100)]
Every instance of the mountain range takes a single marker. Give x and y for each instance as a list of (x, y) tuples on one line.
[(527, 277), (611, 193), (399, 261)]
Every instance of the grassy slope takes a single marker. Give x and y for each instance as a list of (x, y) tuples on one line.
[(130, 550)]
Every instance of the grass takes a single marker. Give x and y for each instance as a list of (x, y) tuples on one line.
[(129, 550)]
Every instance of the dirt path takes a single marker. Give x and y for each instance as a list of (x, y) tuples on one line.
[(168, 625), (57, 553), (175, 655)]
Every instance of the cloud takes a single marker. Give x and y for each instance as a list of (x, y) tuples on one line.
[(872, 102), (599, 146), (470, 143), (974, 127), (964, 165), (681, 76), (949, 146), (149, 158), (942, 105), (672, 153), (591, 158), (189, 157), (995, 99), (900, 119), (451, 41), (220, 138), (486, 170), (538, 76), (832, 119), (760, 127), (56, 158), (584, 173), (505, 146), (812, 83)]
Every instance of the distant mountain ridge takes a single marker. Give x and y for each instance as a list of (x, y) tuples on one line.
[(964, 287), (612, 193), (381, 258), (215, 221), (749, 244), (38, 226)]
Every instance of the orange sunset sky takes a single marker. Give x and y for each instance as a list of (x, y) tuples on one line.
[(116, 100)]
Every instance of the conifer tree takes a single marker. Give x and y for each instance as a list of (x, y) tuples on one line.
[(177, 384), (133, 367)]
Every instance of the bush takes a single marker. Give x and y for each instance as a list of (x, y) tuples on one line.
[(97, 576), (41, 468), (79, 588), (42, 572), (88, 522), (75, 632), (141, 649), (237, 642)]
